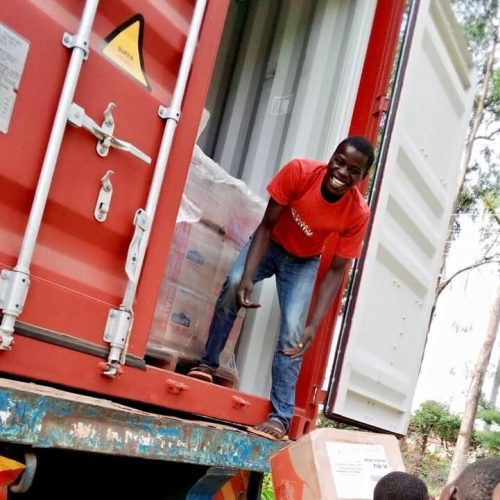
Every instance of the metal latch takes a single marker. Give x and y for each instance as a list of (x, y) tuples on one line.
[(104, 197), (104, 132), (13, 290), (116, 333), (381, 104), (141, 223), (319, 396)]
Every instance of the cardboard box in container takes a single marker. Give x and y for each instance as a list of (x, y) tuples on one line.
[(181, 317), (334, 464), (194, 256)]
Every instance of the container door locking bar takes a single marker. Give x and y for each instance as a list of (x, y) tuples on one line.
[(15, 283), (144, 217)]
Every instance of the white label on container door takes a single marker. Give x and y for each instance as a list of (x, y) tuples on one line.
[(13, 53), (357, 468)]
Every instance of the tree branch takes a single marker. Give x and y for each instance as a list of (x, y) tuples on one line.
[(488, 137), (443, 284)]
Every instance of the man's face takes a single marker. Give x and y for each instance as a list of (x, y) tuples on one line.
[(346, 168)]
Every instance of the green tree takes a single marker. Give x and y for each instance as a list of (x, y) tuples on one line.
[(433, 420), (489, 439)]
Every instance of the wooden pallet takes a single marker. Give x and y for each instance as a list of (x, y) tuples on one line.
[(171, 361)]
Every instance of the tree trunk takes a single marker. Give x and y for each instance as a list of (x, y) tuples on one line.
[(467, 426), (495, 386), (421, 453), (494, 391)]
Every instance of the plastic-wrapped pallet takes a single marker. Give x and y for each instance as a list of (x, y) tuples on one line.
[(223, 200), (217, 216)]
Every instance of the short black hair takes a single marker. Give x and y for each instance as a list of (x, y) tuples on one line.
[(399, 485), (361, 144), (478, 480)]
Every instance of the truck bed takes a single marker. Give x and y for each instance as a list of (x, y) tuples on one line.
[(45, 417)]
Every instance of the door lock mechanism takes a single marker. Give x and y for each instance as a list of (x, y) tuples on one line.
[(104, 197), (104, 132)]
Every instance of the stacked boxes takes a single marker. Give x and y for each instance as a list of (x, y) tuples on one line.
[(203, 248)]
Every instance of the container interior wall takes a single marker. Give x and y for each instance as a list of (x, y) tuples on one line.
[(284, 86)]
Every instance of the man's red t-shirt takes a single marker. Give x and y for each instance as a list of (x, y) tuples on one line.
[(308, 219)]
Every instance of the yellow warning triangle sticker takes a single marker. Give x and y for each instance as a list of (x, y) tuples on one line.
[(123, 47)]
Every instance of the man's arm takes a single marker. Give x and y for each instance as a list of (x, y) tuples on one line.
[(257, 250), (329, 287)]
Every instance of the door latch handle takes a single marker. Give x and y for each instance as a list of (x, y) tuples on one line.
[(104, 132), (104, 197)]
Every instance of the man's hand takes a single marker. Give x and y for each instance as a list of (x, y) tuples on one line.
[(244, 292), (304, 344)]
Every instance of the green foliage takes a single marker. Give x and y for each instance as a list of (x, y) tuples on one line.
[(475, 16), (488, 441), (479, 20), (489, 415), (324, 422), (267, 488), (493, 98), (434, 420), (433, 468)]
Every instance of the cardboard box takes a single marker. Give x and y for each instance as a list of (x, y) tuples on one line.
[(181, 317), (194, 257), (333, 464)]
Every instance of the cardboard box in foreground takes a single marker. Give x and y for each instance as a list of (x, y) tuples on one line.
[(333, 464)]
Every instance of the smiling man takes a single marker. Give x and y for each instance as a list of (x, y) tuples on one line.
[(310, 201)]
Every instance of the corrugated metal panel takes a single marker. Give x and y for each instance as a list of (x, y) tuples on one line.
[(396, 291)]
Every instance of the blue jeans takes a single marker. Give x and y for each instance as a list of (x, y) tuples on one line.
[(295, 278)]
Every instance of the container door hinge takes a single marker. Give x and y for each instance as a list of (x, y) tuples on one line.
[(104, 197), (319, 395), (13, 291), (116, 333), (381, 104), (104, 132)]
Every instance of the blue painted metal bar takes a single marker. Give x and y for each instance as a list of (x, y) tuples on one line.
[(50, 418)]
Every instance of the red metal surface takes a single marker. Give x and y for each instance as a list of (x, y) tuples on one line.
[(366, 121), (78, 265), (74, 295), (65, 367)]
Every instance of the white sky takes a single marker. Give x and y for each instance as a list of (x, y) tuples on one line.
[(459, 328)]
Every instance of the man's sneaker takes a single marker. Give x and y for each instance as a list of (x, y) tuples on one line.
[(202, 372)]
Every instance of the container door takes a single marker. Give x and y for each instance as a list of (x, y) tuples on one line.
[(378, 362), (78, 267)]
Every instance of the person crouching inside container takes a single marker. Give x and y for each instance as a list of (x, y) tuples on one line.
[(309, 202)]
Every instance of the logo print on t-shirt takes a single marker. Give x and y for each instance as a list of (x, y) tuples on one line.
[(303, 226)]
